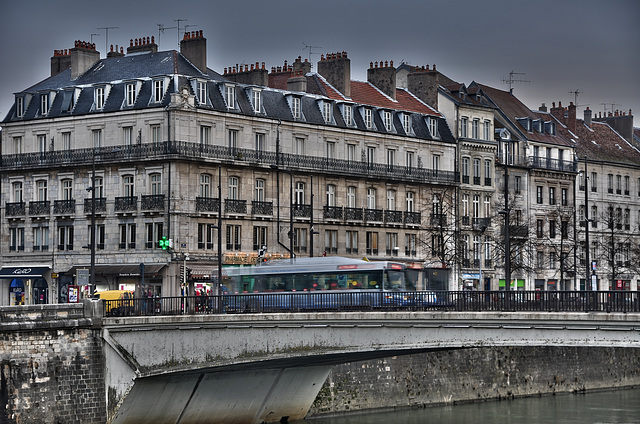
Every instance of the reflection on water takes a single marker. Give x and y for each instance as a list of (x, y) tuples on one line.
[(619, 407)]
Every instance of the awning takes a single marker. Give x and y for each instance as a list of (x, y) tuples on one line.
[(17, 283), (23, 271), (203, 273), (121, 270)]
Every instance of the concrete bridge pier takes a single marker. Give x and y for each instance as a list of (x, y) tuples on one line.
[(251, 396)]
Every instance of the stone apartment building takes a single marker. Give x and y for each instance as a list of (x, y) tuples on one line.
[(303, 163)]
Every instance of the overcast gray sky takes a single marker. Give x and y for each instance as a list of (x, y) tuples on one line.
[(558, 46)]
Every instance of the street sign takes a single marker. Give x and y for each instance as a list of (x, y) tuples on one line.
[(82, 277)]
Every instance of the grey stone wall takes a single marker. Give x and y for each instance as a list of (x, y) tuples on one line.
[(448, 377), (51, 368)]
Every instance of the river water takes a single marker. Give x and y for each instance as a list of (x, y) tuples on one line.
[(605, 407)]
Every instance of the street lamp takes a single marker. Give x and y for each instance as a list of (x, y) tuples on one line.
[(587, 274)]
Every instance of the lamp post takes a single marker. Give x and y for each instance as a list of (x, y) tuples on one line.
[(219, 227), (92, 272), (587, 274)]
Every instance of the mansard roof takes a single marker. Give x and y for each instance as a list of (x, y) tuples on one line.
[(518, 114)]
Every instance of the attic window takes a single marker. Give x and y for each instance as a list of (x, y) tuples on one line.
[(326, 112), (257, 100), (550, 127), (386, 118), (131, 93), (202, 92), (19, 106), (158, 90), (368, 118), (406, 123), (44, 104), (525, 122), (433, 127), (295, 107), (230, 96), (347, 112), (99, 98), (537, 125)]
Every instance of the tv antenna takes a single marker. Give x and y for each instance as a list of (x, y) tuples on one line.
[(161, 29), (106, 38), (511, 80), (178, 21), (97, 35), (612, 107), (575, 98), (309, 49)]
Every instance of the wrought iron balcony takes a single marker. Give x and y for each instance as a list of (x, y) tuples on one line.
[(301, 211), (126, 204), (393, 216), (373, 215), (207, 204), (15, 208), (481, 223), (67, 207), (154, 202), (39, 207), (488, 263), (465, 179), (516, 231), (487, 181), (353, 214), (465, 220), (438, 219), (476, 180), (261, 208), (413, 218), (235, 206), (101, 205), (333, 212)]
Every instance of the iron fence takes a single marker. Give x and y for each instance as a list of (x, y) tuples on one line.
[(327, 301)]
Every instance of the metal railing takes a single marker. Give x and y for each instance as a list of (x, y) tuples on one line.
[(327, 301)]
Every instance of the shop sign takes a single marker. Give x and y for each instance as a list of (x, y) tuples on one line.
[(54, 275)]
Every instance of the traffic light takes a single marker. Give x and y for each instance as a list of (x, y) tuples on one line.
[(163, 243)]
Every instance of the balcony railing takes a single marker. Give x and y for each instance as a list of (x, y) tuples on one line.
[(64, 206), (481, 223), (101, 205), (15, 209), (126, 204), (333, 212), (438, 219), (540, 163), (465, 220), (207, 204), (301, 211), (261, 208), (373, 215), (413, 218), (353, 214), (39, 207), (189, 150), (154, 202), (235, 206), (393, 216)]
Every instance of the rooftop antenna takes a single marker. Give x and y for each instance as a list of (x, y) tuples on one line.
[(161, 29), (187, 26), (511, 80), (106, 38), (178, 21), (97, 35), (309, 48), (604, 107), (575, 98)]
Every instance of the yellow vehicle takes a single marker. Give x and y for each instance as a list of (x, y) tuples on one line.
[(117, 302)]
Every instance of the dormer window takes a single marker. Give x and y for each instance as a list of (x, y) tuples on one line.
[(295, 108), (537, 125), (327, 112), (386, 118), (368, 118), (158, 90), (202, 92), (44, 104), (347, 111), (433, 127), (230, 96), (131, 93), (99, 98), (550, 127), (525, 122), (19, 106), (257, 100), (406, 123)]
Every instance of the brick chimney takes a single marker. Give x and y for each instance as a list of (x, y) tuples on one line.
[(587, 116), (622, 123), (571, 117), (140, 45), (543, 108), (83, 56), (336, 69), (60, 61), (558, 112), (423, 83), (250, 75), (115, 53), (383, 77), (300, 67), (194, 47)]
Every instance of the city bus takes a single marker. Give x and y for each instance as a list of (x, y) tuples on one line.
[(322, 283)]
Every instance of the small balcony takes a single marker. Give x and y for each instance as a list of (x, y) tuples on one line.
[(15, 209), (487, 182), (412, 218), (465, 220), (465, 179), (126, 204), (101, 205), (261, 208), (301, 211), (207, 204), (235, 206), (476, 180), (154, 202), (373, 215), (481, 224), (333, 212), (438, 219), (64, 207), (394, 217), (39, 208), (353, 214)]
